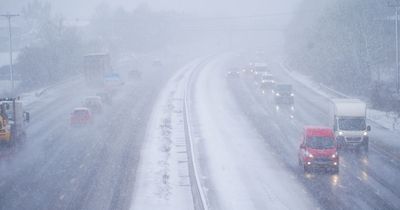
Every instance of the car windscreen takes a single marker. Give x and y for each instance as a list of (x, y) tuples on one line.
[(320, 142), (267, 77), (353, 124), (261, 68), (284, 88)]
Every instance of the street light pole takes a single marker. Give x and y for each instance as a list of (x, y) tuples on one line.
[(396, 5), (9, 16), (397, 51)]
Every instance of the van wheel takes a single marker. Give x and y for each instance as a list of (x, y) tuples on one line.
[(336, 169), (306, 169), (365, 146)]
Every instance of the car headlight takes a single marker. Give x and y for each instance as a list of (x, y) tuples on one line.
[(277, 94), (365, 133), (292, 94), (310, 155), (334, 155), (340, 133)]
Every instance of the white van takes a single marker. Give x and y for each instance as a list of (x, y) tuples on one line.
[(348, 120)]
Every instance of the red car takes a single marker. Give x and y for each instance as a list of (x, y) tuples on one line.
[(80, 116), (318, 149)]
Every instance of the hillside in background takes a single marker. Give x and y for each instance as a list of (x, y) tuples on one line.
[(348, 45)]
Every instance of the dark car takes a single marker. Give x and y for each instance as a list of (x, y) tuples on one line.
[(267, 82), (283, 94), (94, 103), (105, 97), (233, 73)]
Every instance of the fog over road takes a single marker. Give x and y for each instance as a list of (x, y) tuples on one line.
[(184, 122), (246, 150), (93, 167)]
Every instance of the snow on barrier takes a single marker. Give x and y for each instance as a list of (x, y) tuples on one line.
[(332, 91), (383, 119), (323, 89), (199, 198)]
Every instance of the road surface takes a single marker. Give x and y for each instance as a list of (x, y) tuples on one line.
[(92, 167), (136, 155)]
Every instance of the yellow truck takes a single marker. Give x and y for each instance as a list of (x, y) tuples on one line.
[(13, 120)]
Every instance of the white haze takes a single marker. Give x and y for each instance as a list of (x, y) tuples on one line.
[(84, 9)]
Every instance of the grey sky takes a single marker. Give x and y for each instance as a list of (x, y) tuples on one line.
[(84, 8)]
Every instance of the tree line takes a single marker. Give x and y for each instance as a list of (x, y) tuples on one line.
[(53, 50), (348, 45)]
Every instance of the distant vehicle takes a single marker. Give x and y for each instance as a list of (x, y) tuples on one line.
[(248, 69), (348, 120), (13, 120), (233, 73), (267, 77), (81, 116), (260, 68), (95, 67), (267, 82), (157, 63), (283, 95), (106, 97), (135, 74), (94, 103), (318, 149), (260, 54), (113, 79)]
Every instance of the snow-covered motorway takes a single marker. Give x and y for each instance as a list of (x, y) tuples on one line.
[(136, 155), (248, 152), (365, 181), (240, 171)]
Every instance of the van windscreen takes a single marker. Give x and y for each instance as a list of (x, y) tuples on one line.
[(352, 124)]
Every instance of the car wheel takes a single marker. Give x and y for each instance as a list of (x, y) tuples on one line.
[(339, 147)]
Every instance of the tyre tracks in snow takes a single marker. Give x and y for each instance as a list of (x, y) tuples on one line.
[(168, 175)]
